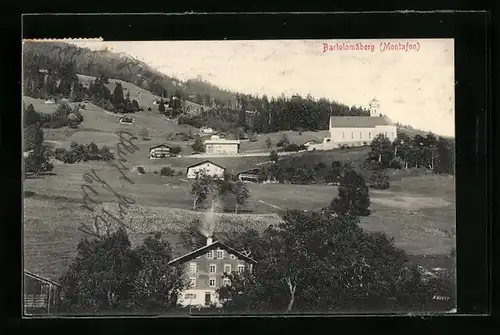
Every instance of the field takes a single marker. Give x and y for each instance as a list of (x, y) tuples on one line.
[(418, 210)]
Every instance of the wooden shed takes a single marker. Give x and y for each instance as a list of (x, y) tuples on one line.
[(41, 295)]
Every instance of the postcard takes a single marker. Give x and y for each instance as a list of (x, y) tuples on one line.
[(241, 177)]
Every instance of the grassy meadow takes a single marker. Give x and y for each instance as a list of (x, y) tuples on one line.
[(417, 210)]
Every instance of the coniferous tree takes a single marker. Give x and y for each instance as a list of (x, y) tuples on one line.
[(353, 197)]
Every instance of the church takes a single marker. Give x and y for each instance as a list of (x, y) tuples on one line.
[(357, 130)]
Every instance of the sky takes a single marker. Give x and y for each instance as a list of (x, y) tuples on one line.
[(414, 85)]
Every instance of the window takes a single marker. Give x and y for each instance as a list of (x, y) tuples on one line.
[(352, 134), (343, 135), (241, 268), (385, 133), (393, 135), (232, 256), (360, 134), (220, 254), (192, 281), (211, 282), (226, 282), (192, 267), (369, 136), (213, 268), (210, 254), (227, 268), (189, 296)]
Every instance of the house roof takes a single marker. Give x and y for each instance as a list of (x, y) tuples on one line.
[(160, 145), (37, 277), (221, 141), (204, 249), (204, 162), (359, 121)]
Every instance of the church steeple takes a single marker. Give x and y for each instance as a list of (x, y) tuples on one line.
[(374, 107)]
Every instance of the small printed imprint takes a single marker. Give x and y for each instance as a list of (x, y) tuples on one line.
[(66, 39)]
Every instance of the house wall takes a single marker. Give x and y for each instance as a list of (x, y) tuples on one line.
[(221, 149), (207, 168), (357, 135), (203, 276)]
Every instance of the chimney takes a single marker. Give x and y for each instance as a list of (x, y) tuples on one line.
[(209, 240)]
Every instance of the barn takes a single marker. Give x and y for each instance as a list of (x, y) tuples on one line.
[(206, 167), (254, 175), (41, 295), (220, 146)]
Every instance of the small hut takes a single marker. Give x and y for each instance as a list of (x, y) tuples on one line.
[(41, 295)]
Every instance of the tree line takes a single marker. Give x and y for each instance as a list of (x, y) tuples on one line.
[(218, 191), (81, 152), (263, 115), (405, 152), (36, 155), (45, 78)]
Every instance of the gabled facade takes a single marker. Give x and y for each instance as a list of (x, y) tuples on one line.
[(204, 270), (221, 146), (159, 151), (253, 175), (206, 167), (41, 295)]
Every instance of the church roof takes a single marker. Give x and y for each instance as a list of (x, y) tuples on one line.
[(359, 121)]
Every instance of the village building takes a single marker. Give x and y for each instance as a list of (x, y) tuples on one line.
[(206, 130), (125, 120), (220, 146), (159, 151), (308, 143), (252, 175), (205, 168), (204, 270), (41, 295), (357, 130)]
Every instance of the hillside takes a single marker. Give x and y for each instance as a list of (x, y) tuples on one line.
[(122, 67)]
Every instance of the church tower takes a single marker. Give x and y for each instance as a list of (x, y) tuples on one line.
[(374, 107)]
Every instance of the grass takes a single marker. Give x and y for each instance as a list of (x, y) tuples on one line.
[(418, 211)]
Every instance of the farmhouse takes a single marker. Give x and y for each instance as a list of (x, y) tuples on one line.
[(253, 175), (357, 130), (41, 295), (220, 146), (206, 130), (159, 151), (206, 167), (204, 269), (125, 120), (308, 143)]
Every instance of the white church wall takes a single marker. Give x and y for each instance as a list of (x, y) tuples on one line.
[(388, 131)]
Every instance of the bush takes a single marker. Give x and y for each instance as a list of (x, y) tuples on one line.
[(291, 147), (167, 171), (80, 152), (396, 163), (380, 181), (176, 150), (283, 142), (140, 169)]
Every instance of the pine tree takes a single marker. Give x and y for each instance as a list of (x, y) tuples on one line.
[(353, 197), (118, 99)]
